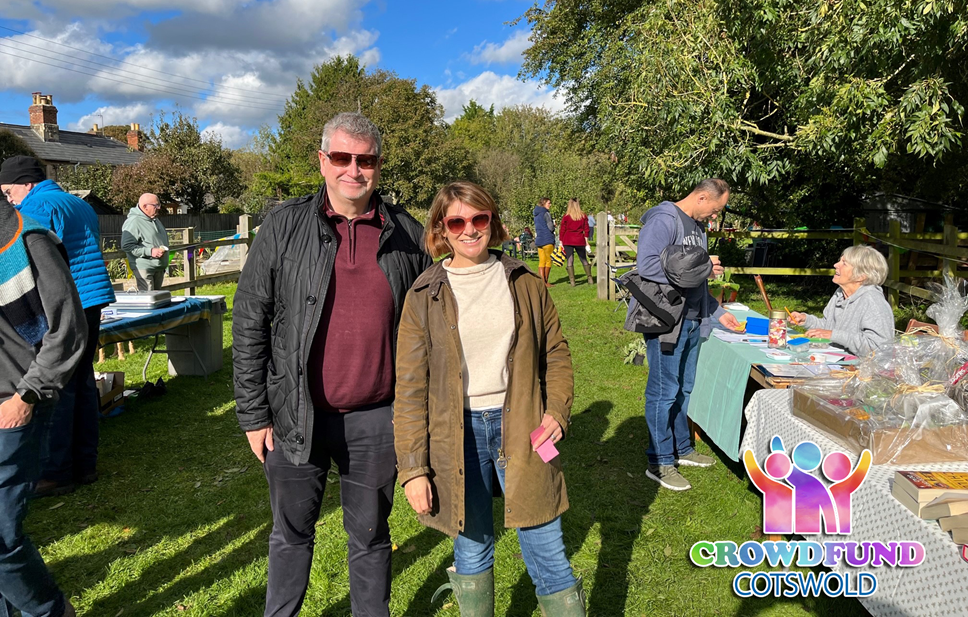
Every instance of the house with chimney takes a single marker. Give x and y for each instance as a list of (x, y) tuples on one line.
[(62, 150)]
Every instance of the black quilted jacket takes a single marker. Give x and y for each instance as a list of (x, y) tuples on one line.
[(280, 296)]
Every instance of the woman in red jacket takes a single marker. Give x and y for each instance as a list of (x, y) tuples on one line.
[(574, 235)]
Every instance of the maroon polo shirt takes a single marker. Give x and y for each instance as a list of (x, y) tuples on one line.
[(351, 358)]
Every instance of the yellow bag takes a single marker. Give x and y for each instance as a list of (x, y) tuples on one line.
[(558, 256)]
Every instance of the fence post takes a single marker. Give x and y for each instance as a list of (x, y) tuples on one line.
[(189, 257), (948, 266), (245, 226), (894, 259), (859, 224), (612, 257), (601, 255)]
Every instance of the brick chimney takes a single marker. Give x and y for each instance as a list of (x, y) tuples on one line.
[(43, 117), (134, 136)]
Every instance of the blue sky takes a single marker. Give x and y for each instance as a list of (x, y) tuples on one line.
[(232, 63)]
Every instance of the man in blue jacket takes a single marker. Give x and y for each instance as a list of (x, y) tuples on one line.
[(672, 373), (73, 439)]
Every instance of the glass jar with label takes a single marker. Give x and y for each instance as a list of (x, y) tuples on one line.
[(776, 338)]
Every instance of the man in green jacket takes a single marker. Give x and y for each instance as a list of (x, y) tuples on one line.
[(145, 240)]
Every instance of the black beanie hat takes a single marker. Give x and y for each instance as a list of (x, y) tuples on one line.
[(21, 169)]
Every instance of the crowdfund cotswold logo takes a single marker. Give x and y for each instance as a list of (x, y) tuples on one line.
[(795, 501)]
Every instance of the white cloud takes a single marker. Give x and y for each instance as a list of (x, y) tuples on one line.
[(232, 136), (104, 116), (276, 24), (238, 87), (508, 52), (501, 91)]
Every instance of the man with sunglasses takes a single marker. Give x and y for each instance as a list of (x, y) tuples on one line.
[(314, 334)]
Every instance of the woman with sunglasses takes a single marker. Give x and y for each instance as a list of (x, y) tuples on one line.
[(484, 379)]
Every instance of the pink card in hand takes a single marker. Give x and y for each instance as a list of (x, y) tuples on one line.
[(547, 450)]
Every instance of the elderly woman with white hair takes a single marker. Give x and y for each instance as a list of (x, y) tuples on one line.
[(857, 318)]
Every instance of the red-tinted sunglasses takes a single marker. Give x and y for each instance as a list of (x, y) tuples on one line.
[(342, 159), (457, 224)]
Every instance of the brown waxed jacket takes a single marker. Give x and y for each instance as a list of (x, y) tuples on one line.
[(429, 405)]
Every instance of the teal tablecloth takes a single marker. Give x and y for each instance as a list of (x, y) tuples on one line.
[(716, 403)]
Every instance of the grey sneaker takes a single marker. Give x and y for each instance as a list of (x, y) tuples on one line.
[(669, 477), (694, 459)]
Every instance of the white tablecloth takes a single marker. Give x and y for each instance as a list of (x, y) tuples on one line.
[(939, 586)]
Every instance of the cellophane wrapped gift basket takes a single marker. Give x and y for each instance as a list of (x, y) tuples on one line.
[(906, 402)]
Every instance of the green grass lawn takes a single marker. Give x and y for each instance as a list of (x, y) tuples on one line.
[(179, 522)]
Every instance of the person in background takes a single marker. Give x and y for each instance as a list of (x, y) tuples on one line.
[(857, 318), (544, 239), (145, 240), (72, 430), (591, 228), (510, 245), (524, 240), (479, 404), (574, 236), (43, 333), (313, 336)]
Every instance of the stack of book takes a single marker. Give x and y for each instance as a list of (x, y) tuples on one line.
[(936, 495)]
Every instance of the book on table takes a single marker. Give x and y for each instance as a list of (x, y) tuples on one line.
[(960, 535), (906, 499), (948, 523), (944, 506), (925, 486)]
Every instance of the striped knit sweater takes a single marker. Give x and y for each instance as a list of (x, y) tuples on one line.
[(19, 299)]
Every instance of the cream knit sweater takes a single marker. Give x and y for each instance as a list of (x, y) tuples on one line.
[(485, 321)]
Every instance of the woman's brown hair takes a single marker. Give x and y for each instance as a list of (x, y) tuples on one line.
[(468, 194)]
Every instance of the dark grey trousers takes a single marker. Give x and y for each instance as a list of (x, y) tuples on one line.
[(361, 445)]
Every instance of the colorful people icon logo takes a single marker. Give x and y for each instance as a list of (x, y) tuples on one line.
[(795, 500)]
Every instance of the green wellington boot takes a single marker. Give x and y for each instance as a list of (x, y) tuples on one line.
[(566, 603), (571, 275), (588, 274), (474, 592)]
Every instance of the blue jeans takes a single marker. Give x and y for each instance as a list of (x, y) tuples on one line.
[(542, 547), (25, 582), (672, 376)]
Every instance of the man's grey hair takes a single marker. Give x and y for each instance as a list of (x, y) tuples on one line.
[(869, 265), (714, 186), (352, 123)]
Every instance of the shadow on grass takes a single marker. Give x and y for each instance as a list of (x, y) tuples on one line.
[(603, 493), (181, 505)]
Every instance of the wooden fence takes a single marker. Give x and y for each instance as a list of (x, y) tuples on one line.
[(619, 245), (188, 249)]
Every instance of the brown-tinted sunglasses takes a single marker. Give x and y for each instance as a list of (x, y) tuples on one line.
[(342, 159)]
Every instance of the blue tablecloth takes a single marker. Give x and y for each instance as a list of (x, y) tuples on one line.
[(155, 321)]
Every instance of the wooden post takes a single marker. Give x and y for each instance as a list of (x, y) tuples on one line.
[(601, 255), (189, 257), (919, 228), (894, 260), (612, 258), (245, 227), (949, 266), (858, 235)]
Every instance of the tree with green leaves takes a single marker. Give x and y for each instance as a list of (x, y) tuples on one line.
[(97, 178), (12, 145), (212, 176), (418, 155), (802, 107)]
